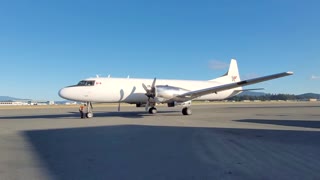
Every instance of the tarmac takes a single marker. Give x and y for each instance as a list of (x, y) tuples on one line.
[(219, 141)]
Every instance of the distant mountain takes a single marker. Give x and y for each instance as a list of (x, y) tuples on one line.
[(309, 96), (8, 98)]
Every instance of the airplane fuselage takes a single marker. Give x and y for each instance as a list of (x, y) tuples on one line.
[(129, 90)]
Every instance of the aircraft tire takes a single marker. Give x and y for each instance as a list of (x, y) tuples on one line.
[(186, 111), (153, 110), (89, 115)]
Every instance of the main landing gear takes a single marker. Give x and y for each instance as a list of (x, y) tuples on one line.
[(186, 111), (153, 110)]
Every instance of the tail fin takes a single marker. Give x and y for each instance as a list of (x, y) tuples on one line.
[(233, 71), (232, 75)]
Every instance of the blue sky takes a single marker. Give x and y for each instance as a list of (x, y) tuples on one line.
[(46, 45)]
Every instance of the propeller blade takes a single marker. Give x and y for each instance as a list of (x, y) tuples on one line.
[(119, 107), (145, 87), (147, 105), (154, 83)]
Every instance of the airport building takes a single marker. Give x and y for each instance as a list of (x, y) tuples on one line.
[(25, 103), (13, 103)]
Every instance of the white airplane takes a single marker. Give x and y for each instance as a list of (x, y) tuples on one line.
[(150, 92)]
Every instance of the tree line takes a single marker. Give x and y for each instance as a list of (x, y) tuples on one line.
[(270, 97)]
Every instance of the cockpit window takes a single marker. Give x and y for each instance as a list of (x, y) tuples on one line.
[(86, 83)]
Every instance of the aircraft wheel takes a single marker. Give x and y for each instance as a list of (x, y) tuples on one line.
[(186, 111), (89, 115), (153, 110)]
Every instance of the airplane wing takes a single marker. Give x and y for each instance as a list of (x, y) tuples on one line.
[(194, 94)]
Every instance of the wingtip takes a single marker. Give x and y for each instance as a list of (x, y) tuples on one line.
[(290, 72)]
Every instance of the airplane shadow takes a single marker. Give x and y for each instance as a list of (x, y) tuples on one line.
[(295, 123), (273, 106), (160, 152), (76, 115), (45, 116)]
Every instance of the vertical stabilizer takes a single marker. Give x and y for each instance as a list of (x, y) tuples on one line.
[(232, 75), (233, 71)]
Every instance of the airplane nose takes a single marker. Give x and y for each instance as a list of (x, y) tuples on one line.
[(62, 93), (72, 94)]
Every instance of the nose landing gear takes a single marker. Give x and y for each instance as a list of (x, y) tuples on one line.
[(89, 113)]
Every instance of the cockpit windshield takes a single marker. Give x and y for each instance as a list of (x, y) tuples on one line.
[(86, 83)]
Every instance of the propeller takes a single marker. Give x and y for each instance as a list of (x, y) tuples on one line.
[(150, 93), (121, 97)]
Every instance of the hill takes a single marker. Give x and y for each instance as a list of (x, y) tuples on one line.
[(8, 98), (309, 96)]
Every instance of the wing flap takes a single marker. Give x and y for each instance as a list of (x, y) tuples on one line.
[(215, 89)]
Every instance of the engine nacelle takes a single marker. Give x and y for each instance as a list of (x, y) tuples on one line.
[(164, 93)]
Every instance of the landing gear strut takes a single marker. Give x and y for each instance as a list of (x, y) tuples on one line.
[(89, 110), (186, 111)]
